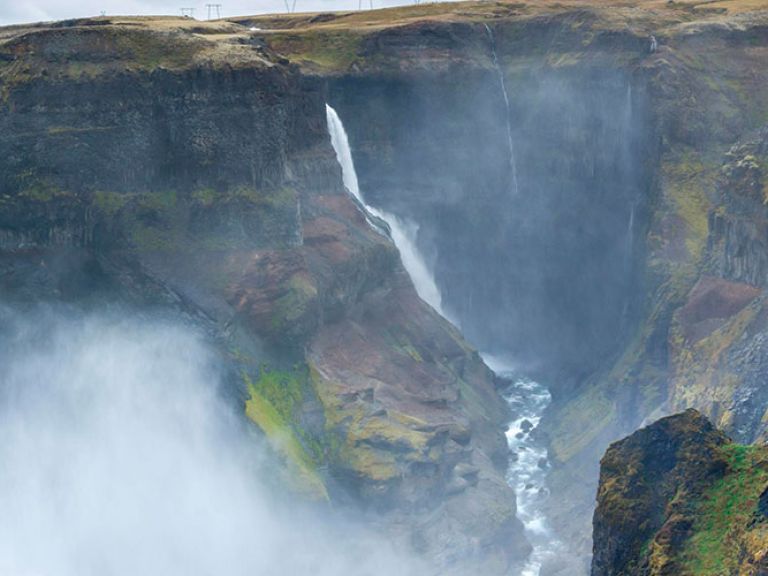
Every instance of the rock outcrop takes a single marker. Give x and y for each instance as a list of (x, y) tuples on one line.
[(678, 497)]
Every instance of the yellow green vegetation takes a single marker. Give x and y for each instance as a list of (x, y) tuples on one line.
[(156, 226), (402, 343), (110, 203), (370, 445), (581, 422), (38, 188), (698, 368), (159, 221), (158, 201), (109, 45), (323, 50), (274, 399), (204, 196), (690, 183), (149, 50), (725, 518), (64, 130)]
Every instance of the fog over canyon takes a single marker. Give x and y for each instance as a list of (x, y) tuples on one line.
[(457, 289)]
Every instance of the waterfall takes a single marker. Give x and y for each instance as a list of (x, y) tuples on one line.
[(527, 399), (629, 242), (403, 232), (503, 84), (630, 236)]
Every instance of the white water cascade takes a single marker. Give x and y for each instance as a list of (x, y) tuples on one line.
[(503, 84), (527, 399), (403, 232)]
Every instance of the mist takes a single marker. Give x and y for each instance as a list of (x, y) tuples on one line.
[(120, 456)]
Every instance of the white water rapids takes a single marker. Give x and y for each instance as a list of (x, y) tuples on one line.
[(527, 399), (527, 473)]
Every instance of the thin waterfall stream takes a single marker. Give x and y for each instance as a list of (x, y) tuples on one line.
[(505, 94), (527, 399)]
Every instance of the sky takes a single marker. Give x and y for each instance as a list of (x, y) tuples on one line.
[(21, 11)]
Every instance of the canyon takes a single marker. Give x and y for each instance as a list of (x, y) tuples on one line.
[(589, 207)]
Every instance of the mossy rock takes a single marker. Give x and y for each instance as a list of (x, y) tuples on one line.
[(275, 399)]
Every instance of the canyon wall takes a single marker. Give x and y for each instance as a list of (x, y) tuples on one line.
[(185, 167), (612, 259), (600, 225)]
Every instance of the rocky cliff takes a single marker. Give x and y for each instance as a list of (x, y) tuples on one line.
[(183, 166), (679, 497), (591, 203), (600, 222)]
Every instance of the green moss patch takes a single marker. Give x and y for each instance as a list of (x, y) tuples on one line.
[(724, 516), (273, 403), (690, 182)]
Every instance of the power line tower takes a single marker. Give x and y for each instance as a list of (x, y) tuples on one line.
[(213, 8), (187, 12), (360, 4)]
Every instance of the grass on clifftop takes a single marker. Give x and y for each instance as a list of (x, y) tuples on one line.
[(724, 517)]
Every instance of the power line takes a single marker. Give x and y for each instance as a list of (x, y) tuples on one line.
[(214, 8), (187, 12)]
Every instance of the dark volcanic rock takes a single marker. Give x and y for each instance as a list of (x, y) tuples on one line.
[(678, 497), (644, 481)]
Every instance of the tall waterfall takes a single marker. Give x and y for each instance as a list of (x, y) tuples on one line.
[(527, 399), (403, 232), (503, 84)]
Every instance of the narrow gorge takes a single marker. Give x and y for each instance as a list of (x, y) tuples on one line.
[(412, 271)]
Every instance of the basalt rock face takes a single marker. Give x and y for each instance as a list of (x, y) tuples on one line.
[(175, 164), (517, 269), (678, 497), (719, 335), (495, 186), (613, 258)]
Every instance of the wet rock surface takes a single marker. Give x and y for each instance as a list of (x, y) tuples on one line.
[(678, 497)]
